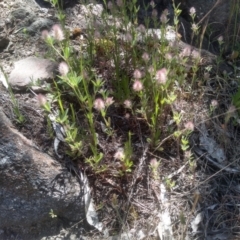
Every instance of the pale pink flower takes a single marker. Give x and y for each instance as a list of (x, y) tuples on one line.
[(127, 103), (214, 103), (120, 3), (195, 54), (152, 4), (137, 74), (188, 154), (151, 70), (63, 68), (145, 57), (186, 52), (57, 32), (169, 56), (109, 101), (161, 76), (189, 126), (141, 28), (195, 27), (192, 11), (45, 34), (97, 35), (206, 76), (137, 86), (99, 104), (163, 17), (220, 40), (110, 5), (128, 37), (119, 154), (41, 99), (231, 109), (127, 116), (154, 13), (154, 163)]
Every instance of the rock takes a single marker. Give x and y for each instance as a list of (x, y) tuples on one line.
[(32, 70), (39, 25), (22, 17), (32, 184)]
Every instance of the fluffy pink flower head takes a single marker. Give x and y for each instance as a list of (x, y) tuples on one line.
[(119, 154), (137, 86), (189, 126), (45, 34), (128, 37), (214, 103), (127, 103), (154, 163), (57, 32), (63, 69), (99, 104), (152, 4), (137, 74), (109, 101), (110, 5), (154, 13), (151, 70), (163, 17), (141, 28), (161, 76), (192, 11), (120, 3), (145, 57), (41, 99)]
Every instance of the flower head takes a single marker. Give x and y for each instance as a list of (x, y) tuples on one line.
[(120, 3), (63, 68), (141, 28), (119, 154), (127, 103), (99, 104), (161, 76), (137, 86), (45, 34), (189, 126), (110, 5), (192, 11), (128, 37), (214, 103), (151, 70), (152, 4), (145, 57), (41, 99), (137, 74), (109, 101), (154, 13), (163, 17), (154, 163), (57, 32)]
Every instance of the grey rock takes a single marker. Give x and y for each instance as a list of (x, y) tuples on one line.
[(2, 25), (38, 25), (31, 184), (32, 71), (22, 17)]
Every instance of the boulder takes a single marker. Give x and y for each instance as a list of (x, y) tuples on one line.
[(32, 71), (33, 185)]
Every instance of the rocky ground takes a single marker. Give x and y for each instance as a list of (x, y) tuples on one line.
[(207, 196)]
